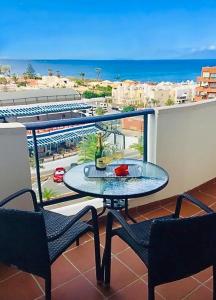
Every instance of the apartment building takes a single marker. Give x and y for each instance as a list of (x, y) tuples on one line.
[(206, 88), (149, 94)]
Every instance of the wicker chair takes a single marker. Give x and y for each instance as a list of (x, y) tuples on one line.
[(172, 248), (33, 240)]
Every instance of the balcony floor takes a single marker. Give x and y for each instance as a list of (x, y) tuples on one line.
[(73, 274)]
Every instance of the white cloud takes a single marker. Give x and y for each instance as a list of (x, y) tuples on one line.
[(207, 48)]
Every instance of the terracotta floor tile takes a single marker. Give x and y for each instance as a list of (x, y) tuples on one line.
[(77, 289), (82, 257), (86, 237), (19, 287), (157, 213), (209, 188), (200, 294), (118, 245), (62, 271), (121, 276), (209, 283), (187, 208), (137, 290), (6, 271), (148, 208), (205, 198), (129, 258), (178, 289), (203, 275)]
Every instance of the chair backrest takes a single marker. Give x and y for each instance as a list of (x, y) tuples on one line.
[(23, 241), (181, 247)]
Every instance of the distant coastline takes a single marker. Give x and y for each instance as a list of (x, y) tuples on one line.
[(173, 70)]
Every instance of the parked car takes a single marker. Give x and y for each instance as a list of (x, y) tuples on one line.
[(58, 174)]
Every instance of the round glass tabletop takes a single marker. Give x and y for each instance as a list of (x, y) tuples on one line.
[(150, 179)]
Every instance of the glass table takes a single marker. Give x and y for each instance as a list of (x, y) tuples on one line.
[(116, 190)]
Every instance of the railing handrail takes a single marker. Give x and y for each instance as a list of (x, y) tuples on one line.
[(76, 121), (48, 96)]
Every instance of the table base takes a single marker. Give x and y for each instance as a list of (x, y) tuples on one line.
[(117, 204)]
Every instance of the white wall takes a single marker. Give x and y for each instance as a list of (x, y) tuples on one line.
[(14, 163), (182, 140)]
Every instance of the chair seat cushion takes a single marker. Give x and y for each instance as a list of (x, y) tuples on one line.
[(54, 222), (142, 231)]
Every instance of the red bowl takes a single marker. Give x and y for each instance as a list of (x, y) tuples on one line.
[(122, 170)]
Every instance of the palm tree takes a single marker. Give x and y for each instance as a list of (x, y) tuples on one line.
[(50, 72), (49, 193), (99, 111), (5, 69), (82, 75), (155, 102), (138, 147), (169, 102), (98, 72), (87, 148), (117, 77)]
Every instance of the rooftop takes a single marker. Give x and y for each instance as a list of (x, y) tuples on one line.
[(37, 93), (73, 275)]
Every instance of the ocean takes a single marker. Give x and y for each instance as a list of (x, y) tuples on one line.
[(140, 70)]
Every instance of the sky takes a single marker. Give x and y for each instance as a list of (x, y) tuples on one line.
[(107, 29)]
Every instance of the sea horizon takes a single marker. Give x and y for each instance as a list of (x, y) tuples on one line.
[(154, 70)]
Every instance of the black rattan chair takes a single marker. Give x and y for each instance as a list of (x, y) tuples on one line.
[(172, 248), (33, 240)]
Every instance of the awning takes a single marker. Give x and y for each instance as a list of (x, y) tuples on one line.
[(34, 110), (60, 136)]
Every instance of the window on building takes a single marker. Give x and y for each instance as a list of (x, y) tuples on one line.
[(206, 74)]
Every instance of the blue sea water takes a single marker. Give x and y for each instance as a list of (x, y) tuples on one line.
[(140, 70)]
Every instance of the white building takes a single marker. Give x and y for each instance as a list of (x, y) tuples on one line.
[(146, 94)]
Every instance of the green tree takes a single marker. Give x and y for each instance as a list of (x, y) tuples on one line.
[(80, 82), (169, 102), (128, 108), (99, 111), (90, 94), (138, 146), (30, 72), (3, 80), (49, 194), (14, 78)]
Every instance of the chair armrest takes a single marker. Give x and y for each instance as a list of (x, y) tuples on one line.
[(192, 200), (73, 220), (116, 215), (19, 193)]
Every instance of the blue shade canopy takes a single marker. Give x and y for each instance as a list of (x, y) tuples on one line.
[(60, 136), (34, 110)]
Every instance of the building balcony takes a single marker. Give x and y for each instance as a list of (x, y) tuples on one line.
[(207, 80), (181, 140)]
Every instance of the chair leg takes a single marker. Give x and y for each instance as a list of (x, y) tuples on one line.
[(48, 288), (214, 282), (151, 293), (97, 257), (106, 263)]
